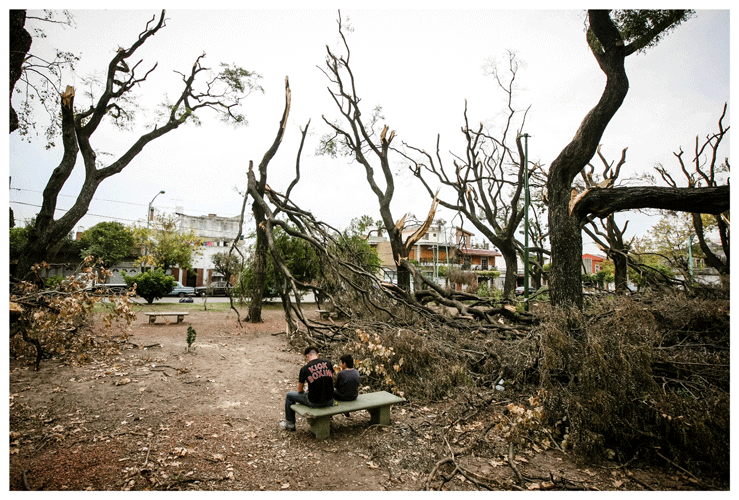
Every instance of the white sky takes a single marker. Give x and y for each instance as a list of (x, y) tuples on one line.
[(420, 65)]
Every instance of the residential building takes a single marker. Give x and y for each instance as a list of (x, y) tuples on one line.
[(477, 257), (591, 264), (217, 234), (439, 246)]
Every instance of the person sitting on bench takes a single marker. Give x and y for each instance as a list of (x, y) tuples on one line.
[(347, 380), (319, 375)]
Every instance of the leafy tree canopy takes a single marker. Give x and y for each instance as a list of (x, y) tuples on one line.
[(227, 264), (110, 242), (635, 24), (165, 246)]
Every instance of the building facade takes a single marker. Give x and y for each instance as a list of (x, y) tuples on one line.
[(217, 233)]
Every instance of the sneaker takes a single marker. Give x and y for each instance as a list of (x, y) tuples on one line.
[(289, 426)]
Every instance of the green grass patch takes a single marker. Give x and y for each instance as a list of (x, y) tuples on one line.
[(215, 307)]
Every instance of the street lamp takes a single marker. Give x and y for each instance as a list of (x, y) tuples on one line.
[(148, 218), (148, 214)]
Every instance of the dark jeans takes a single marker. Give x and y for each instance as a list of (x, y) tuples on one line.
[(340, 397), (295, 397)]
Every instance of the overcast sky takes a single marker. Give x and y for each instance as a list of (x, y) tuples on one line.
[(419, 65)]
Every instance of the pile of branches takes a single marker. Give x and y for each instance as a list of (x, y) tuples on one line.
[(645, 379), (57, 320)]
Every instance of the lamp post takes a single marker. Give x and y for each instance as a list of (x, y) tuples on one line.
[(148, 214), (148, 218), (526, 223)]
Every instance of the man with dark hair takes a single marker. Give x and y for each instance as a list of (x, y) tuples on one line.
[(318, 374), (347, 380)]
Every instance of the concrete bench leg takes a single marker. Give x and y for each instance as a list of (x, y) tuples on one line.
[(180, 318), (380, 415), (152, 319), (320, 427)]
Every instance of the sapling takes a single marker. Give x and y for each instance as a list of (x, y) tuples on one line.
[(190, 337)]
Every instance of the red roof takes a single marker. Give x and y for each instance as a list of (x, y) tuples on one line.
[(594, 258)]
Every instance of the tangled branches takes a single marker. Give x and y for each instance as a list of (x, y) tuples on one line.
[(56, 320)]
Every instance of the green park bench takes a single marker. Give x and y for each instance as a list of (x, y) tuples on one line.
[(376, 403), (153, 316)]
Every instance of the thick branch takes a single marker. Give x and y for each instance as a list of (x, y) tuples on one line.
[(602, 202)]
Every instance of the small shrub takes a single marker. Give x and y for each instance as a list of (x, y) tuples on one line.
[(524, 426), (375, 361), (53, 281), (190, 338)]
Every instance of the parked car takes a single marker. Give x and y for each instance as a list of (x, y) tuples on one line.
[(519, 291), (181, 291), (222, 288)]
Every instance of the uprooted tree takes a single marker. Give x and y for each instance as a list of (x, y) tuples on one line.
[(344, 279), (611, 37), (222, 93)]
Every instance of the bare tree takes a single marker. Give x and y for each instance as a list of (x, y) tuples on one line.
[(706, 171), (607, 235), (259, 264), (222, 93), (359, 138), (488, 179)]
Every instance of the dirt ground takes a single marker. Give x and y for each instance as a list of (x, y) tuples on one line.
[(157, 417)]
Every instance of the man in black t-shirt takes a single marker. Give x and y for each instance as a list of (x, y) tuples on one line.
[(318, 374)]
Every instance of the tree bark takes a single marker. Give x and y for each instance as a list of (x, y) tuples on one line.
[(259, 266), (20, 44), (603, 202)]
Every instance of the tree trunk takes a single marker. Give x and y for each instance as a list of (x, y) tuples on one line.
[(20, 44), (565, 282), (620, 271), (565, 230), (511, 268), (711, 258), (259, 267)]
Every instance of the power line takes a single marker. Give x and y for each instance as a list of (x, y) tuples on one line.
[(72, 196), (111, 201), (65, 210)]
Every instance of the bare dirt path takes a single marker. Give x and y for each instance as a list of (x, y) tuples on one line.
[(160, 417), (155, 416)]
